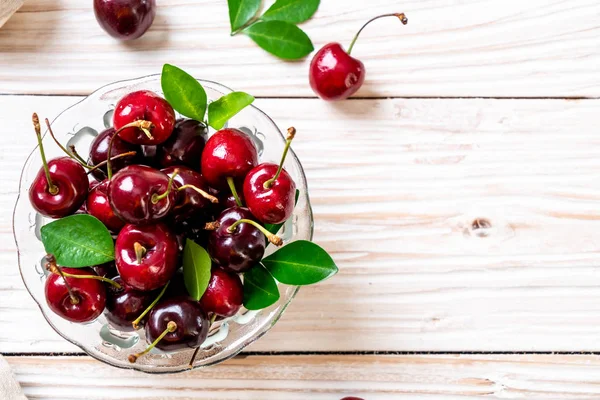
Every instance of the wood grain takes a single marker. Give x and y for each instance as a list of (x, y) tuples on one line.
[(458, 225), (8, 8), (321, 378), (491, 48)]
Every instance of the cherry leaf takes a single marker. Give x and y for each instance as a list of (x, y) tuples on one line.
[(185, 94), (294, 11), (260, 289), (196, 269), (241, 11), (221, 110), (281, 39)]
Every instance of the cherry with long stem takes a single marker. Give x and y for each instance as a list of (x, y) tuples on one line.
[(52, 188), (55, 269), (72, 154), (158, 197), (231, 184), (276, 240), (288, 143), (171, 327), (136, 323), (145, 126), (400, 16)]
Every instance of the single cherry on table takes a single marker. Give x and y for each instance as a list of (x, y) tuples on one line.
[(334, 74), (125, 19), (224, 294), (61, 185), (146, 256)]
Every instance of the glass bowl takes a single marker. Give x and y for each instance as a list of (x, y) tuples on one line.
[(78, 125)]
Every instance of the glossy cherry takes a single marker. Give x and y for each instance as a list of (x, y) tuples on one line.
[(334, 74), (192, 323), (141, 195), (195, 205), (144, 105), (77, 300), (125, 19), (146, 256), (185, 145), (98, 206), (228, 155), (269, 190), (99, 153), (107, 270), (224, 294), (237, 249), (61, 185), (126, 304)]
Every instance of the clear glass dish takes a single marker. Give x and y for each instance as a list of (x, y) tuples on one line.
[(78, 125)]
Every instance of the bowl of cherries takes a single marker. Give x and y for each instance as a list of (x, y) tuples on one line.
[(164, 223)]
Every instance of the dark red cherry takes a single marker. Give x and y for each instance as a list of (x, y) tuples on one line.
[(141, 195), (125, 305), (192, 208), (334, 74), (146, 256), (147, 106), (150, 156), (191, 320), (229, 153), (227, 199), (88, 295), (67, 192), (185, 145), (99, 207), (224, 294), (272, 204), (106, 270), (99, 151), (240, 250), (125, 19)]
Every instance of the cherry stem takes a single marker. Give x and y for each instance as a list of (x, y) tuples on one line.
[(52, 188), (136, 323), (141, 124), (71, 155), (158, 197), (212, 226), (400, 16), (76, 155), (231, 184), (140, 252), (288, 143), (191, 364), (53, 268), (171, 327), (204, 194), (276, 240), (103, 163)]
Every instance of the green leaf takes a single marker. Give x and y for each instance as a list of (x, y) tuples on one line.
[(196, 269), (78, 241), (221, 110), (281, 39), (294, 11), (300, 263), (260, 289), (240, 12), (185, 94), (275, 228)]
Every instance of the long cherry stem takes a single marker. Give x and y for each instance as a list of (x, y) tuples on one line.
[(171, 327), (204, 194), (288, 143), (400, 16), (103, 163), (276, 240), (141, 124), (158, 197), (136, 323), (53, 268), (191, 364), (52, 188), (71, 155), (231, 184), (78, 157)]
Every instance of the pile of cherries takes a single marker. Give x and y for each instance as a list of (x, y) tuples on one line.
[(158, 181)]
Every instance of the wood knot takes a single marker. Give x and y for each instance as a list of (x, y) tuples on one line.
[(481, 226)]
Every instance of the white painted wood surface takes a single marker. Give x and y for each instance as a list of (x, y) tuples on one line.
[(322, 378), (532, 48)]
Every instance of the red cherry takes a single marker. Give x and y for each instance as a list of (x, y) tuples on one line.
[(144, 105), (229, 154), (99, 153), (146, 256), (334, 74), (125, 305), (224, 294), (77, 300), (141, 195), (125, 19), (185, 145), (270, 191), (98, 205)]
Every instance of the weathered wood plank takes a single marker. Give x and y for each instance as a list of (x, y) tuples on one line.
[(397, 187), (478, 48), (321, 378)]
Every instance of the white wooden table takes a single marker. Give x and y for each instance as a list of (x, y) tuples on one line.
[(459, 193)]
